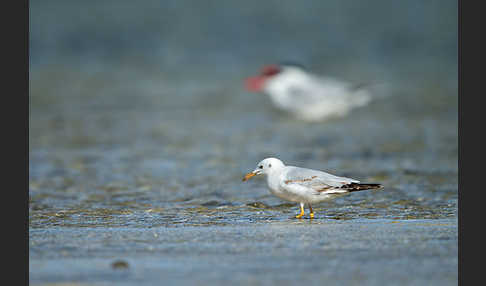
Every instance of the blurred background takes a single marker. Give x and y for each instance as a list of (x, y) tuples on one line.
[(146, 101), (139, 116), (131, 93)]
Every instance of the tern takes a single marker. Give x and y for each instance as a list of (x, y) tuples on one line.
[(305, 95)]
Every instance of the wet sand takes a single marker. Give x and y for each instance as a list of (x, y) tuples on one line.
[(263, 252)]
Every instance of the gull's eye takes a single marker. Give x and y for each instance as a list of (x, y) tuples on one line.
[(261, 167), (269, 165)]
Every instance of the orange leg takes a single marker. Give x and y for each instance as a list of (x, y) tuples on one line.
[(311, 211), (301, 211)]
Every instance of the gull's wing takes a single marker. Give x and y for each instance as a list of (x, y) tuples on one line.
[(296, 177)]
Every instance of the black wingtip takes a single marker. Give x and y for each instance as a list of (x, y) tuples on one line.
[(354, 187)]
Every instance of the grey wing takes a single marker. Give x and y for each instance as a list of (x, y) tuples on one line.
[(339, 90), (317, 180), (316, 90), (300, 95)]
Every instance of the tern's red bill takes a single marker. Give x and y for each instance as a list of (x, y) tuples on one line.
[(255, 84)]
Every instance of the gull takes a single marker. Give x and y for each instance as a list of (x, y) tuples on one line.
[(305, 95), (305, 186)]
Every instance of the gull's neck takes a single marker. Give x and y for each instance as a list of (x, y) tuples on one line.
[(273, 178)]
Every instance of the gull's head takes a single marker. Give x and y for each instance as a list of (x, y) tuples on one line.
[(265, 167)]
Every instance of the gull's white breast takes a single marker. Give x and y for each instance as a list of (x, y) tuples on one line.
[(274, 182)]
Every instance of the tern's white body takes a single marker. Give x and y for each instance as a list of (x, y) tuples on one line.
[(313, 98)]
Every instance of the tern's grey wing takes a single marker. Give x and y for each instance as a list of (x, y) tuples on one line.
[(314, 179), (315, 89), (335, 89), (301, 95)]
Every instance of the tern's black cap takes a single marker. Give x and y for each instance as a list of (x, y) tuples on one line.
[(292, 64)]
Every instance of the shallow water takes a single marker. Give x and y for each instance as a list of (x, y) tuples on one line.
[(140, 158), (96, 156)]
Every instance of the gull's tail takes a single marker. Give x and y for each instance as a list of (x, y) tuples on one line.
[(355, 187)]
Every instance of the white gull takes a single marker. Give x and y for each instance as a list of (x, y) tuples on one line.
[(305, 186)]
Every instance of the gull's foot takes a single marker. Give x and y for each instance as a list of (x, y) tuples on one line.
[(301, 211), (299, 215), (311, 215)]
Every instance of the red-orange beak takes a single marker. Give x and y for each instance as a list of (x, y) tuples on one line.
[(248, 176)]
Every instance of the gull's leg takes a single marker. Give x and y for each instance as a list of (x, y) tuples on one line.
[(301, 211), (311, 211)]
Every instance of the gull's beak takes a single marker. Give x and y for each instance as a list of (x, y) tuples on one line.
[(251, 174)]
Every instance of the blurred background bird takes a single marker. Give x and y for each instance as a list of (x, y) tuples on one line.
[(306, 95)]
